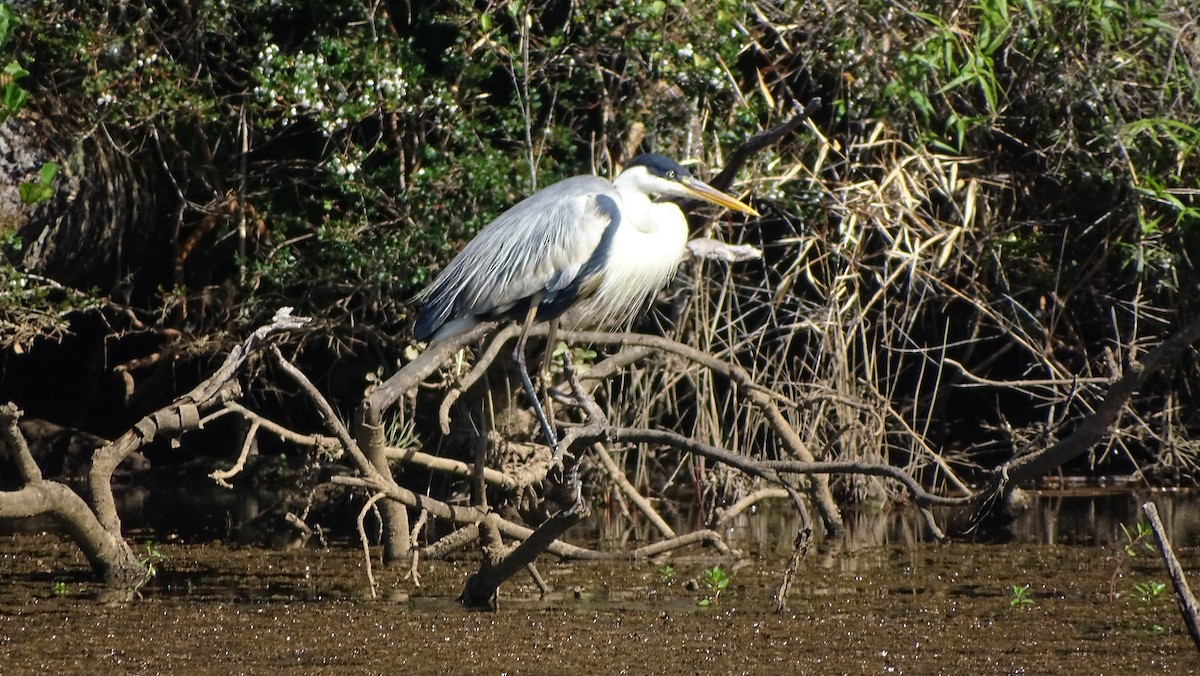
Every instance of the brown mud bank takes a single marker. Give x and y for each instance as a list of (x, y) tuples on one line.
[(874, 609)]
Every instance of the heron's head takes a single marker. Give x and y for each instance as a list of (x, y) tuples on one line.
[(656, 175)]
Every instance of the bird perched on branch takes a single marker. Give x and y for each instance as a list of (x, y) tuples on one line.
[(600, 250)]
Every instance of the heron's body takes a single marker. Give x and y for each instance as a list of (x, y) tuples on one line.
[(600, 250), (603, 248)]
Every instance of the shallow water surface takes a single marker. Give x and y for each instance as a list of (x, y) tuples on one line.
[(853, 609)]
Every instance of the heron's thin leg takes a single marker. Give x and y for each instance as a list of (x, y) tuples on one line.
[(551, 339), (547, 355), (519, 354)]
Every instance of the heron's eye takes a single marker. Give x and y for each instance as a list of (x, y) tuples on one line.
[(671, 174)]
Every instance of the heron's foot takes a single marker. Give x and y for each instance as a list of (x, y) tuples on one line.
[(577, 488), (557, 465)]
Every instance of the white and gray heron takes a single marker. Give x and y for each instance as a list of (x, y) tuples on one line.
[(600, 250)]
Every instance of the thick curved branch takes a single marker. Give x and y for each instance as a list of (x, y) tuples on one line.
[(515, 479), (109, 555), (918, 493), (331, 419), (416, 371), (482, 588), (482, 363)]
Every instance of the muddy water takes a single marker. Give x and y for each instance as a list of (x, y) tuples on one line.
[(856, 607)]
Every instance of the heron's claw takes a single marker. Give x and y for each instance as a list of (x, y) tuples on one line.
[(577, 485), (556, 461)]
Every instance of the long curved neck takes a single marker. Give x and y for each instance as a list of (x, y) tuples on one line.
[(643, 214)]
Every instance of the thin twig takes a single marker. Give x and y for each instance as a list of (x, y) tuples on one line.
[(366, 545), (221, 475)]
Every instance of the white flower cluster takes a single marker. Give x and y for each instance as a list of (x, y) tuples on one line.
[(146, 60), (345, 165), (301, 85)]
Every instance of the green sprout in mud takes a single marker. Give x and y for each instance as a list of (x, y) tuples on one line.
[(1148, 591), (714, 580), (1020, 596), (1138, 539), (60, 589), (666, 573), (1140, 535), (150, 560)]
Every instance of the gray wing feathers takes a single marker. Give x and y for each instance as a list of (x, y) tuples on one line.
[(539, 245)]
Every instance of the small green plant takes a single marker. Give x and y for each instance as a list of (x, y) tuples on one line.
[(40, 190), (150, 559), (1140, 535), (1148, 591), (1020, 596), (666, 573), (12, 95), (60, 589), (714, 580), (579, 355), (1138, 539)]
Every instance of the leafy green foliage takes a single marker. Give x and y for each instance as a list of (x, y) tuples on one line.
[(150, 558), (1148, 591), (370, 146), (1138, 540), (40, 190), (12, 97)]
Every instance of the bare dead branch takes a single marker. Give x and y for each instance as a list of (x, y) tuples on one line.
[(482, 588), (416, 371), (282, 433), (915, 490), (514, 479), (712, 249), (799, 550), (482, 363), (1183, 592), (328, 415), (762, 398), (221, 475), (453, 542), (730, 513), (758, 142), (180, 416), (1089, 432), (617, 475), (703, 536), (18, 450), (107, 552), (366, 543)]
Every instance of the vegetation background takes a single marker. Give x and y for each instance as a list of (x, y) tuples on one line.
[(995, 208)]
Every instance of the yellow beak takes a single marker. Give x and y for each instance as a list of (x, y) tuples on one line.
[(708, 193)]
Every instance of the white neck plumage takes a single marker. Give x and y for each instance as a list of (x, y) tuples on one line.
[(638, 263)]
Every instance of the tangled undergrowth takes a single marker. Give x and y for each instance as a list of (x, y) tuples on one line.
[(994, 212)]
